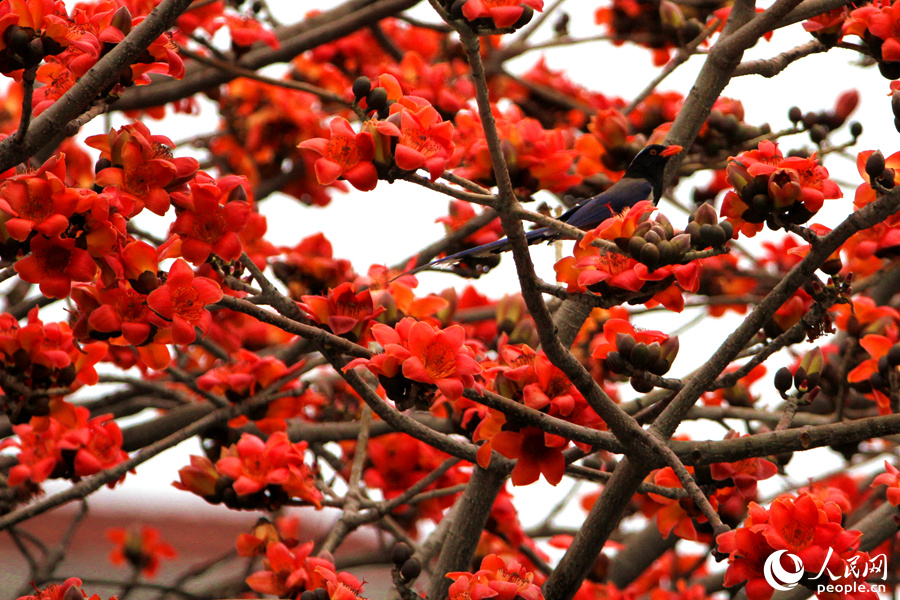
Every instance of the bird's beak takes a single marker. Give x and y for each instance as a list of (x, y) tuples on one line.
[(671, 150)]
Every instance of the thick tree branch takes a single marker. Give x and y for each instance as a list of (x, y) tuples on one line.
[(771, 67)]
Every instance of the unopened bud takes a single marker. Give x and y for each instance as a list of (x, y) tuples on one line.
[(875, 165), (122, 20)]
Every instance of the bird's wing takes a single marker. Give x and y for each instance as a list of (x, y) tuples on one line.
[(624, 194), (502, 245)]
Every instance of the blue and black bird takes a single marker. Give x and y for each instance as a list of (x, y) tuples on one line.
[(643, 179)]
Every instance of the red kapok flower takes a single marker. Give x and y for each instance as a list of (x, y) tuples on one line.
[(425, 139), (212, 219), (504, 13), (344, 311), (534, 456), (346, 153), (143, 169), (743, 473), (97, 444), (70, 588), (426, 354), (246, 32), (677, 515), (891, 479), (143, 550), (182, 300), (54, 263), (498, 579), (254, 465), (440, 357), (39, 201)]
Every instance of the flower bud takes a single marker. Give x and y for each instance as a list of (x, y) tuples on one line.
[(693, 231), (509, 311), (615, 363), (361, 87), (670, 349), (660, 231), (846, 104), (799, 377), (655, 351), (893, 356), (668, 253), (400, 553), (524, 333), (670, 14), (634, 246), (832, 266), (728, 228), (738, 175), (376, 99), (640, 355), (705, 214), (642, 229), (411, 569), (681, 243), (659, 367), (875, 165), (784, 187), (72, 593), (884, 366), (640, 384), (624, 343), (122, 20), (784, 380), (650, 256)]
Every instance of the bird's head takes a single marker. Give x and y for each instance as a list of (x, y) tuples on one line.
[(650, 163)]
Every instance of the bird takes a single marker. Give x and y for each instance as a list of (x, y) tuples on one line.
[(642, 180)]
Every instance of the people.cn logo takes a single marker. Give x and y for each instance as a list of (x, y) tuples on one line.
[(779, 577)]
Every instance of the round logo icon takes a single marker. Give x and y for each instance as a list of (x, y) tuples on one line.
[(779, 577)]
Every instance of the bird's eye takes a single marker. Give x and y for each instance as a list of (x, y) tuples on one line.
[(653, 152)]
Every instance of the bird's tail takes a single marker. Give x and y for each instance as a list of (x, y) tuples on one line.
[(532, 237)]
